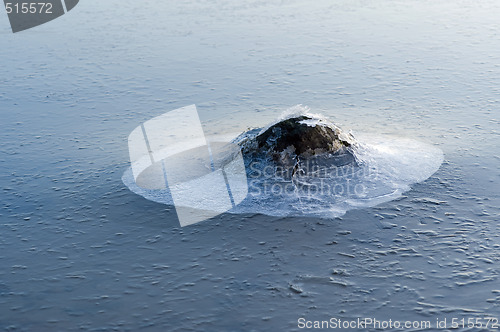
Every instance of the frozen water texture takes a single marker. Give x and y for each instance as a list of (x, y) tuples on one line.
[(388, 166), (80, 252)]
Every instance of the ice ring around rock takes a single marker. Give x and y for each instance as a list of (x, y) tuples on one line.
[(305, 165)]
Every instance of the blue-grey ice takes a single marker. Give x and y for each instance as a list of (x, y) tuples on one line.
[(386, 167)]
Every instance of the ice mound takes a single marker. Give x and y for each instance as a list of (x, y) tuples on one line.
[(304, 165)]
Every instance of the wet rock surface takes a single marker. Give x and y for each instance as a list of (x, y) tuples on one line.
[(301, 138)]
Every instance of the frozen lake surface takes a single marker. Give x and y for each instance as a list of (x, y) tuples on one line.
[(79, 251)]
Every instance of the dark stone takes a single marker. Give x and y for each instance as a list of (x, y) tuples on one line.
[(302, 137), (290, 143)]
